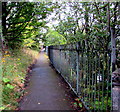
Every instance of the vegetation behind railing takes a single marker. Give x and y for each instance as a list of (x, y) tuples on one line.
[(87, 71)]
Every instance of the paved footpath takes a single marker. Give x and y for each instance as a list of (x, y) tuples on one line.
[(46, 90)]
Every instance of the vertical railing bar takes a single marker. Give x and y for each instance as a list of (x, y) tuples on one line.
[(111, 81), (88, 77), (65, 61), (108, 74), (60, 60), (83, 73), (83, 67), (81, 88), (74, 68), (97, 82), (103, 80), (90, 87), (77, 56), (71, 69), (92, 77), (69, 65)]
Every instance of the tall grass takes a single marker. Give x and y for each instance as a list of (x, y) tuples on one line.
[(15, 67)]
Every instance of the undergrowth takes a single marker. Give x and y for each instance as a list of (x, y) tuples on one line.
[(15, 67)]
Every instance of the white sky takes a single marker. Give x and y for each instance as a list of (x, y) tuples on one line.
[(56, 22), (62, 16), (31, 0)]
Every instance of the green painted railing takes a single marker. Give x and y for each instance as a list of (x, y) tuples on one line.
[(87, 71)]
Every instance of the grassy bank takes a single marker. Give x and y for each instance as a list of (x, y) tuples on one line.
[(15, 67)]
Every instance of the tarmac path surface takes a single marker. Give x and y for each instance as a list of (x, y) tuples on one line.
[(46, 90)]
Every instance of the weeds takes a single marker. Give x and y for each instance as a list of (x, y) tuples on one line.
[(15, 64)]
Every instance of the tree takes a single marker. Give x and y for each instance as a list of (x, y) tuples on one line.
[(22, 20), (54, 38), (95, 23)]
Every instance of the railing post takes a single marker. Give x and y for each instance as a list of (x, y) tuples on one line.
[(49, 52), (60, 59), (116, 90), (77, 68)]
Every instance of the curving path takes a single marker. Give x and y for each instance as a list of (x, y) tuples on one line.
[(46, 90)]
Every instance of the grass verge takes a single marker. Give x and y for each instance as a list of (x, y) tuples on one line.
[(15, 67)]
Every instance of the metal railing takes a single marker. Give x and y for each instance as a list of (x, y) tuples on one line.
[(87, 71)]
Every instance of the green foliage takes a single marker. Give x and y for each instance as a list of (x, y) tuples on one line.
[(88, 21), (68, 30), (80, 105), (5, 80), (54, 38), (10, 86), (23, 20)]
